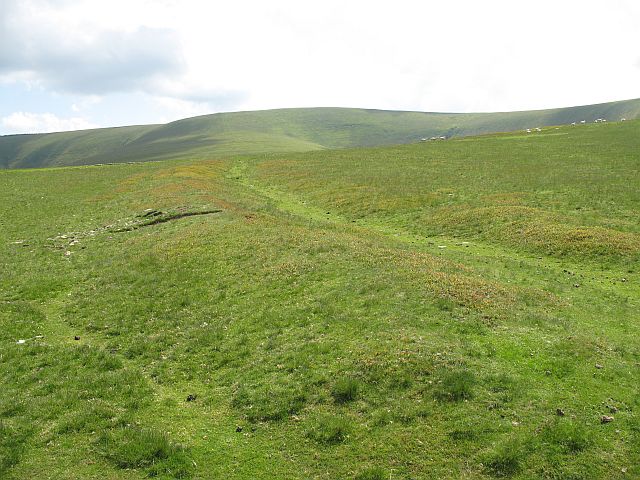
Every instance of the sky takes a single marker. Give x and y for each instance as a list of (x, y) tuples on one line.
[(75, 64)]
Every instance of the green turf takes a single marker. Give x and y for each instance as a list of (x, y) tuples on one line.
[(287, 130), (465, 309)]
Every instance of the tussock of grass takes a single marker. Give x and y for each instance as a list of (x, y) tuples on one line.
[(463, 435), (375, 473), (345, 390), (329, 429), (456, 386), (11, 446), (506, 459), (567, 436), (132, 448), (269, 402)]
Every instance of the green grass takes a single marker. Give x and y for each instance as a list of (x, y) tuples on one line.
[(131, 448), (345, 390), (285, 130), (329, 430), (456, 386), (417, 311)]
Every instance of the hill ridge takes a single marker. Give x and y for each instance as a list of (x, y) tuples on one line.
[(279, 131)]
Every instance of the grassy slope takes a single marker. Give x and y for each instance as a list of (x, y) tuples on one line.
[(277, 131), (415, 311)]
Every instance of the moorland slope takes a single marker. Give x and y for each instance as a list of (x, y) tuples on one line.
[(462, 309)]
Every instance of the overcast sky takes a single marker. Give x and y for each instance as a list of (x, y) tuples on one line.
[(70, 64)]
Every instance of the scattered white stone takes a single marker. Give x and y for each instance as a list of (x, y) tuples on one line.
[(20, 342), (67, 253), (442, 246)]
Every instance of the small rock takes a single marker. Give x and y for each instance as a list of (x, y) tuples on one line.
[(191, 398), (576, 285), (238, 429), (77, 337), (67, 253), (559, 412), (623, 470), (20, 342), (515, 424), (606, 419), (598, 366)]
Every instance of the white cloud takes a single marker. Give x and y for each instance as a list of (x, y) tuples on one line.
[(27, 122), (48, 44), (176, 108), (86, 102), (198, 56)]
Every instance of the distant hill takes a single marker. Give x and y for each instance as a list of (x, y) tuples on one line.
[(285, 130)]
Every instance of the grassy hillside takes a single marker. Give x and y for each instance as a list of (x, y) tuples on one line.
[(463, 309), (289, 130)]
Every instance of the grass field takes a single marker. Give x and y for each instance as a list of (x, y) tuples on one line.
[(464, 309), (285, 130)]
